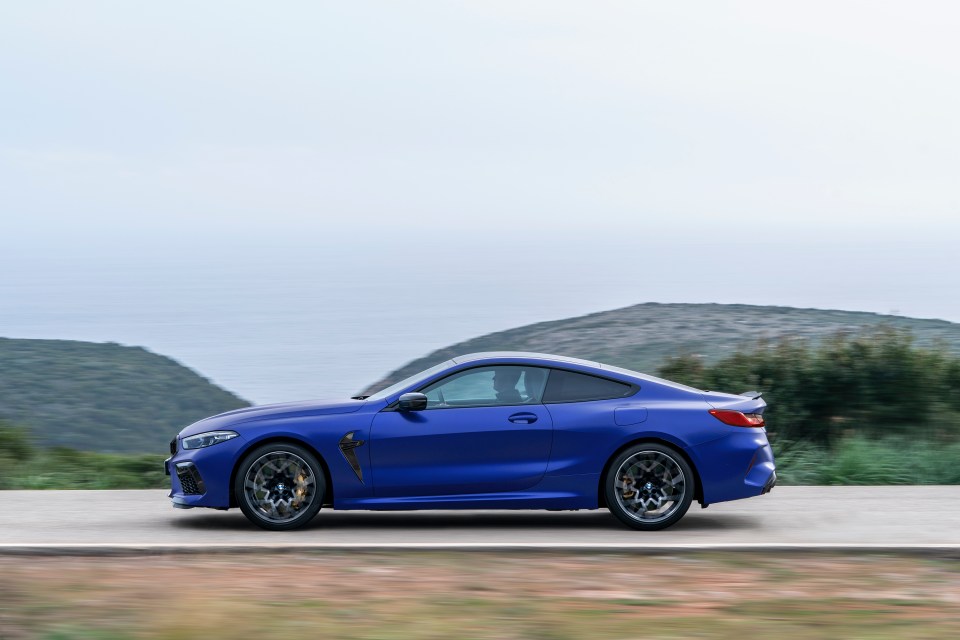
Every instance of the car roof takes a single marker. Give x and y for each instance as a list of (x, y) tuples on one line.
[(503, 355), (530, 355)]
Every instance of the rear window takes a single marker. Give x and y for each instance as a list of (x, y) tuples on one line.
[(567, 386)]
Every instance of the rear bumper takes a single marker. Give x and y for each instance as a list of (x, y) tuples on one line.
[(738, 465)]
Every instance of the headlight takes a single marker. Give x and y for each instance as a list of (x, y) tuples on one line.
[(202, 440)]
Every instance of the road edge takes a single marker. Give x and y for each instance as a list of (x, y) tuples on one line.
[(96, 549)]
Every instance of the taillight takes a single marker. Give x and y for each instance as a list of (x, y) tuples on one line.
[(738, 418)]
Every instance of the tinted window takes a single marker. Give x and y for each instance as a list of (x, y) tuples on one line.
[(487, 386), (567, 386)]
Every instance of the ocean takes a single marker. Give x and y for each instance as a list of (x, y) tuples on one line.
[(273, 326)]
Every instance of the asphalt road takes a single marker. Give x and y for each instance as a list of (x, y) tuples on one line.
[(919, 518)]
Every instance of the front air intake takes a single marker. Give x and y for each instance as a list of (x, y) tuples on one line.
[(190, 480)]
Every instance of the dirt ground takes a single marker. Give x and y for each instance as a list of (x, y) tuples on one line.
[(479, 595)]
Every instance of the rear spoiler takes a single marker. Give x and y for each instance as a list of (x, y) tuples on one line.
[(753, 395)]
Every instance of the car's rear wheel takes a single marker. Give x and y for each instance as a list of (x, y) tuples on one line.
[(280, 486), (649, 487)]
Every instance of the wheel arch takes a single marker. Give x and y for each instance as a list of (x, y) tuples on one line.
[(327, 499), (698, 484)]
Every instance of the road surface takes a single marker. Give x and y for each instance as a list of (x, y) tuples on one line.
[(878, 518)]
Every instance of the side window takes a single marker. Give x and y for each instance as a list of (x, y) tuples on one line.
[(567, 386), (488, 386)]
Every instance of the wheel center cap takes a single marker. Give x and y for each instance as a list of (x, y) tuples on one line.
[(648, 486), (281, 487)]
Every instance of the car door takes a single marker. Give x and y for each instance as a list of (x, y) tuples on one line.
[(484, 431)]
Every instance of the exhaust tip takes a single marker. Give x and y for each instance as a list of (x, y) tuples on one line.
[(771, 483)]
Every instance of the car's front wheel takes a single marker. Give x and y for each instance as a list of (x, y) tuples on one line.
[(280, 486), (649, 487)]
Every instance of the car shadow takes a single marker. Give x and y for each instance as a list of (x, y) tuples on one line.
[(717, 522), (431, 520)]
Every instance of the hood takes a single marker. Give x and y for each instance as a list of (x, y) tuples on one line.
[(747, 403), (231, 419)]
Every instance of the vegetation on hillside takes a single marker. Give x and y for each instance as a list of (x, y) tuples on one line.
[(102, 397), (644, 336), (876, 384)]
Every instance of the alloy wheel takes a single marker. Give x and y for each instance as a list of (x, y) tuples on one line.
[(279, 486), (650, 486)]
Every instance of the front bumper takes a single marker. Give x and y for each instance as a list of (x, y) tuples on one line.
[(201, 477)]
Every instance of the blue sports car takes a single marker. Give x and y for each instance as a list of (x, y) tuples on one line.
[(483, 431)]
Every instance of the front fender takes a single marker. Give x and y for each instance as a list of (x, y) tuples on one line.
[(322, 436)]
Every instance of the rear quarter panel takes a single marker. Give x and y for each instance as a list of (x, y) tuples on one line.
[(731, 462), (587, 434)]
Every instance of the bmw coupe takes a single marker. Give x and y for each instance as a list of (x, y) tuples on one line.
[(483, 431)]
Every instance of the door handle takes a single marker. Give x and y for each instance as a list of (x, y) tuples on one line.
[(523, 418)]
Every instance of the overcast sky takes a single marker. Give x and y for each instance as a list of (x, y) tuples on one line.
[(801, 153)]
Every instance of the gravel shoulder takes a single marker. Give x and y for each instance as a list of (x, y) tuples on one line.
[(480, 595)]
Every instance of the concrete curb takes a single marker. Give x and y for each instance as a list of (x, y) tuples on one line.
[(950, 550)]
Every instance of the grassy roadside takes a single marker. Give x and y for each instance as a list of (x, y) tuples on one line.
[(69, 469), (480, 595), (23, 465), (858, 460)]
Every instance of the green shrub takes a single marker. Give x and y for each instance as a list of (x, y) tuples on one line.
[(876, 384), (15, 448)]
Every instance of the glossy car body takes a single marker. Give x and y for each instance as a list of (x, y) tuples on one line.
[(531, 453)]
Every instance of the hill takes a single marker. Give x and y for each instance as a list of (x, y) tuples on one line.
[(641, 337), (102, 397)]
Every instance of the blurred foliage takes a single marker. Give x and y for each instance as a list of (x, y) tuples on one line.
[(102, 397), (24, 466), (858, 460), (875, 385)]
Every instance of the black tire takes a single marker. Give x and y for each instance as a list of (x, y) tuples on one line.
[(280, 486), (644, 475)]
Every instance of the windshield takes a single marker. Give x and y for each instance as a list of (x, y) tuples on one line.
[(406, 382)]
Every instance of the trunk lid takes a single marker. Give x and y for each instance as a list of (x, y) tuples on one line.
[(747, 402)]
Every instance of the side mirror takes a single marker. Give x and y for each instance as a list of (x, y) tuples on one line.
[(412, 402)]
